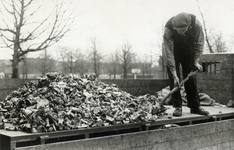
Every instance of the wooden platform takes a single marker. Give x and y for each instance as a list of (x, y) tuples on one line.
[(216, 114), (10, 140), (215, 111)]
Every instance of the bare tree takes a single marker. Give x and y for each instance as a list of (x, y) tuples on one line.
[(232, 42), (20, 31), (114, 64), (95, 57), (4, 66), (205, 29), (73, 61), (68, 59), (145, 66), (163, 62), (47, 63), (64, 64), (219, 43), (81, 64), (127, 59)]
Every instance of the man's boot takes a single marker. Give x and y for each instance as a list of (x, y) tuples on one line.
[(199, 111), (177, 112)]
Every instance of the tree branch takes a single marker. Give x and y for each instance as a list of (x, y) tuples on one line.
[(204, 24)]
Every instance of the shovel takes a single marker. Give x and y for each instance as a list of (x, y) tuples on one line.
[(162, 107)]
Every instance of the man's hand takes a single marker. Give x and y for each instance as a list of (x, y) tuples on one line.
[(198, 66), (177, 82), (176, 79)]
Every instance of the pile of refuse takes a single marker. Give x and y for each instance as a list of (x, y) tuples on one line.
[(59, 102)]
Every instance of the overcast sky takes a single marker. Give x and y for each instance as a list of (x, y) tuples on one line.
[(140, 22)]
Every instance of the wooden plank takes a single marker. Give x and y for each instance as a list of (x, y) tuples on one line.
[(18, 136), (216, 113)]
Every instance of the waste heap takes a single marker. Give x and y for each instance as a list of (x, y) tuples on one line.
[(59, 102)]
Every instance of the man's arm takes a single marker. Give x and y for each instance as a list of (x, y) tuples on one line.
[(199, 43), (169, 53), (169, 48)]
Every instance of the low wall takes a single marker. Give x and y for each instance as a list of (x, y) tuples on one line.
[(8, 85), (140, 86), (218, 79), (134, 87), (212, 136), (216, 86)]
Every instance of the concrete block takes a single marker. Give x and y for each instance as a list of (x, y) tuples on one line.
[(222, 146), (155, 138), (162, 146), (148, 147), (199, 130), (227, 64), (175, 134), (184, 133), (136, 140), (225, 136), (228, 145), (212, 128), (145, 138), (222, 97), (221, 126), (215, 139), (201, 141), (202, 86)]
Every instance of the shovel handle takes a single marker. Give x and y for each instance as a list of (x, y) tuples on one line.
[(191, 74)]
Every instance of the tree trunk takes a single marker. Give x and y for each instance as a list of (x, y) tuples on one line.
[(16, 59), (114, 73), (125, 73), (207, 41), (204, 24), (15, 66)]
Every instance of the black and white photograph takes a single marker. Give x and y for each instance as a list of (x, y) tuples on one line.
[(116, 75)]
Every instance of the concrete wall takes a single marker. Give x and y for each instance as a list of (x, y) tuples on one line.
[(135, 87), (208, 136), (8, 85), (219, 85), (140, 86)]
